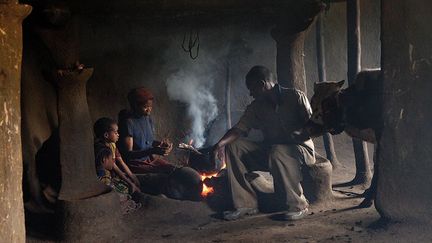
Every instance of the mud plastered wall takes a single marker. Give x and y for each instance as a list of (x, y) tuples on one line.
[(127, 51)]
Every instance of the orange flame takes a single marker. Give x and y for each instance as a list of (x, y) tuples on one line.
[(207, 190)]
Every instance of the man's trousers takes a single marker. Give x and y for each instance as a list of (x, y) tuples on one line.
[(283, 161)]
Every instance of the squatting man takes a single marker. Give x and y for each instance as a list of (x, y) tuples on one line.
[(279, 113)]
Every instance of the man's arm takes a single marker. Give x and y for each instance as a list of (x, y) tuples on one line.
[(229, 137), (246, 122), (305, 112)]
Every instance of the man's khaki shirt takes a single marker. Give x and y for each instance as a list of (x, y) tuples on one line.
[(278, 121)]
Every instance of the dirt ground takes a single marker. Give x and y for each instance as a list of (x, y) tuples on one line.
[(338, 221), (165, 220)]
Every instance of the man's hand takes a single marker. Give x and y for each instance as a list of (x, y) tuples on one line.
[(218, 156), (218, 152)]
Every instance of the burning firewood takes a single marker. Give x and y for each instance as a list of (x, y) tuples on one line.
[(209, 170), (189, 148)]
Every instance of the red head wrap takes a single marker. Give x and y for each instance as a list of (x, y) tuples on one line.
[(139, 96)]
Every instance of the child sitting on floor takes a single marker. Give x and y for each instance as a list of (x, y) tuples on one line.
[(106, 135), (105, 172), (108, 167)]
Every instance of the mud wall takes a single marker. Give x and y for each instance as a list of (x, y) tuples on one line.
[(405, 161), (134, 50), (127, 51), (335, 41)]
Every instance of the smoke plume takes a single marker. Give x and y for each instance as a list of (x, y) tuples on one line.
[(192, 85)]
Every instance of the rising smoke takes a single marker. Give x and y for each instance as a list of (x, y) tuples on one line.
[(191, 82)]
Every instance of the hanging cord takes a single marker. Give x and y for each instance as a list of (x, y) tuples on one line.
[(193, 43)]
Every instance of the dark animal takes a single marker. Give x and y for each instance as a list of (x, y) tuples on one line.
[(355, 110)]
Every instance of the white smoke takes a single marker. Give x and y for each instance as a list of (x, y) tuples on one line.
[(193, 87)]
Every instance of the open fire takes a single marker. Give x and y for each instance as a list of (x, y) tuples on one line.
[(207, 190)]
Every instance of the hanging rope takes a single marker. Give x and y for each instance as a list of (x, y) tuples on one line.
[(193, 43)]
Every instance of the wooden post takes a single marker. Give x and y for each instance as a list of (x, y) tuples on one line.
[(322, 76), (228, 95), (363, 173), (290, 61), (404, 155), (289, 34), (12, 227)]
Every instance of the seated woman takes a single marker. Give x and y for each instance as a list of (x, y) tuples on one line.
[(136, 136), (140, 150)]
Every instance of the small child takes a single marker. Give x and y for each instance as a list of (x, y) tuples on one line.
[(108, 157), (104, 168), (106, 133)]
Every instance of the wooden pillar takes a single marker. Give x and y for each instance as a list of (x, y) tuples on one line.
[(322, 75), (405, 146), (290, 60), (228, 95), (363, 173), (289, 34), (12, 227)]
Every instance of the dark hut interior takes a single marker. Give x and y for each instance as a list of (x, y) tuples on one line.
[(65, 64)]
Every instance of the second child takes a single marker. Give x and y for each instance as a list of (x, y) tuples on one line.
[(106, 135)]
